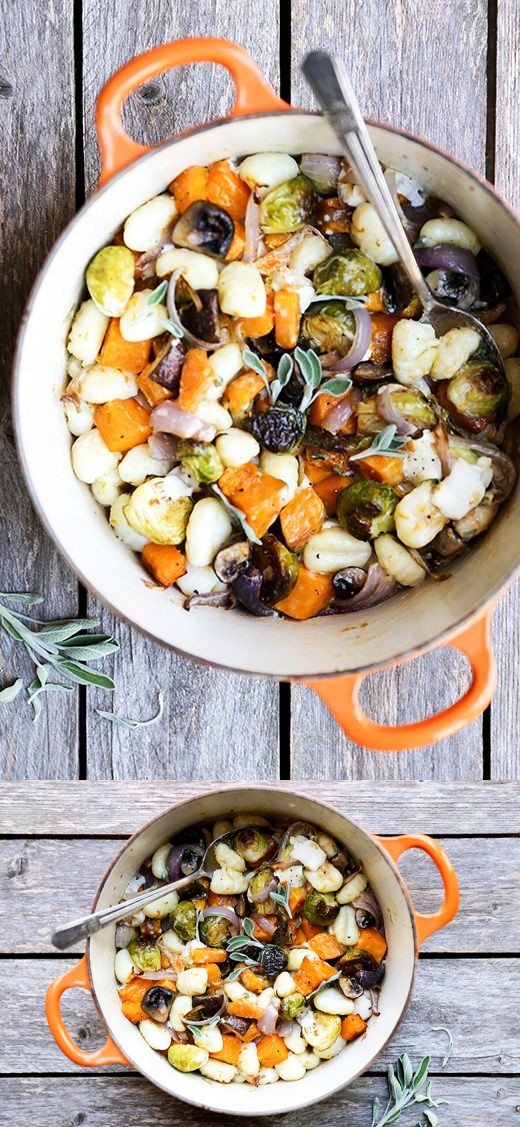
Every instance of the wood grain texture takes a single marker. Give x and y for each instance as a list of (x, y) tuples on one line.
[(505, 709), (117, 809), (33, 892), (214, 723), (37, 186), (483, 1041), (82, 1101), (397, 55)]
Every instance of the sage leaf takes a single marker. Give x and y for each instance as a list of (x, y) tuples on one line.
[(11, 691), (449, 1050)]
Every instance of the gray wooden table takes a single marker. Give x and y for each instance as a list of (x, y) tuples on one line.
[(450, 73)]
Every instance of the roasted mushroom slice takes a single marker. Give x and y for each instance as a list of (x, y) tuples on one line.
[(205, 226)]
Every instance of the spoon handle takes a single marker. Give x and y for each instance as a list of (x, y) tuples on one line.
[(329, 80), (70, 933)]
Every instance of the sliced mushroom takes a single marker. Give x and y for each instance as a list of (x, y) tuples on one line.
[(205, 226), (230, 561)]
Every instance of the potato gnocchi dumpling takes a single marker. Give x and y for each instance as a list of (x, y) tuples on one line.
[(255, 401), (261, 971)]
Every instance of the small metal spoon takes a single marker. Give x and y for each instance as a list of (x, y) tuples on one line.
[(329, 80), (70, 933)]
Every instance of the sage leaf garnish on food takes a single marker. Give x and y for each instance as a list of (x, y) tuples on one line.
[(309, 364), (386, 442), (124, 722), (281, 896), (61, 645)]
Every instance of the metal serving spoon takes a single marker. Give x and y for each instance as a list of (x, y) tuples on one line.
[(329, 80), (70, 933)]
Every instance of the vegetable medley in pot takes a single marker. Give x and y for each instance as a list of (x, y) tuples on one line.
[(261, 972), (257, 403)]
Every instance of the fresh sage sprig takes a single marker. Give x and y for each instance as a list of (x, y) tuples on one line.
[(237, 943), (281, 896), (406, 1088), (156, 297), (386, 442), (311, 371), (60, 646), (196, 1030)]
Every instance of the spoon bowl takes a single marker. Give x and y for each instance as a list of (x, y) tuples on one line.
[(329, 80), (68, 934)]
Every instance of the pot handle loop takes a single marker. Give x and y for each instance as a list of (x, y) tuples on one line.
[(341, 695), (76, 976), (426, 925), (252, 93)]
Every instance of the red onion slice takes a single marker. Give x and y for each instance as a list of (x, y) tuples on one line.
[(388, 412), (162, 445), (359, 346), (447, 256), (261, 897), (368, 903), (504, 470), (168, 418), (378, 586), (124, 933), (226, 913), (269, 926), (173, 863), (285, 1027), (252, 229), (342, 411), (267, 1022), (195, 342), (155, 975), (144, 264), (323, 170)]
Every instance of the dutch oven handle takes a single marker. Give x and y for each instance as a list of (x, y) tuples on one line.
[(252, 93), (76, 976), (426, 925), (341, 695)]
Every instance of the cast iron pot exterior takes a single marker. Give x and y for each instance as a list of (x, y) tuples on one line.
[(405, 931), (333, 653)]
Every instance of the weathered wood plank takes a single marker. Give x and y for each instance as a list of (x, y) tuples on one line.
[(505, 753), (397, 55), (34, 893), (109, 809), (133, 1102), (483, 1040), (207, 726), (37, 199)]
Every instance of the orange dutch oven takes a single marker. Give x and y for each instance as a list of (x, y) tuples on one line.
[(405, 929), (331, 654)]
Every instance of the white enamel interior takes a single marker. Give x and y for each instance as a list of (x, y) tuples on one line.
[(79, 526), (242, 1099)]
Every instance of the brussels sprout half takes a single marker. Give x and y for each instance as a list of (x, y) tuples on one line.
[(288, 206), (201, 459), (255, 845), (184, 920), (350, 274), (144, 955), (110, 279), (366, 509), (292, 1006), (152, 513), (216, 930), (320, 908), (475, 394), (329, 325)]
